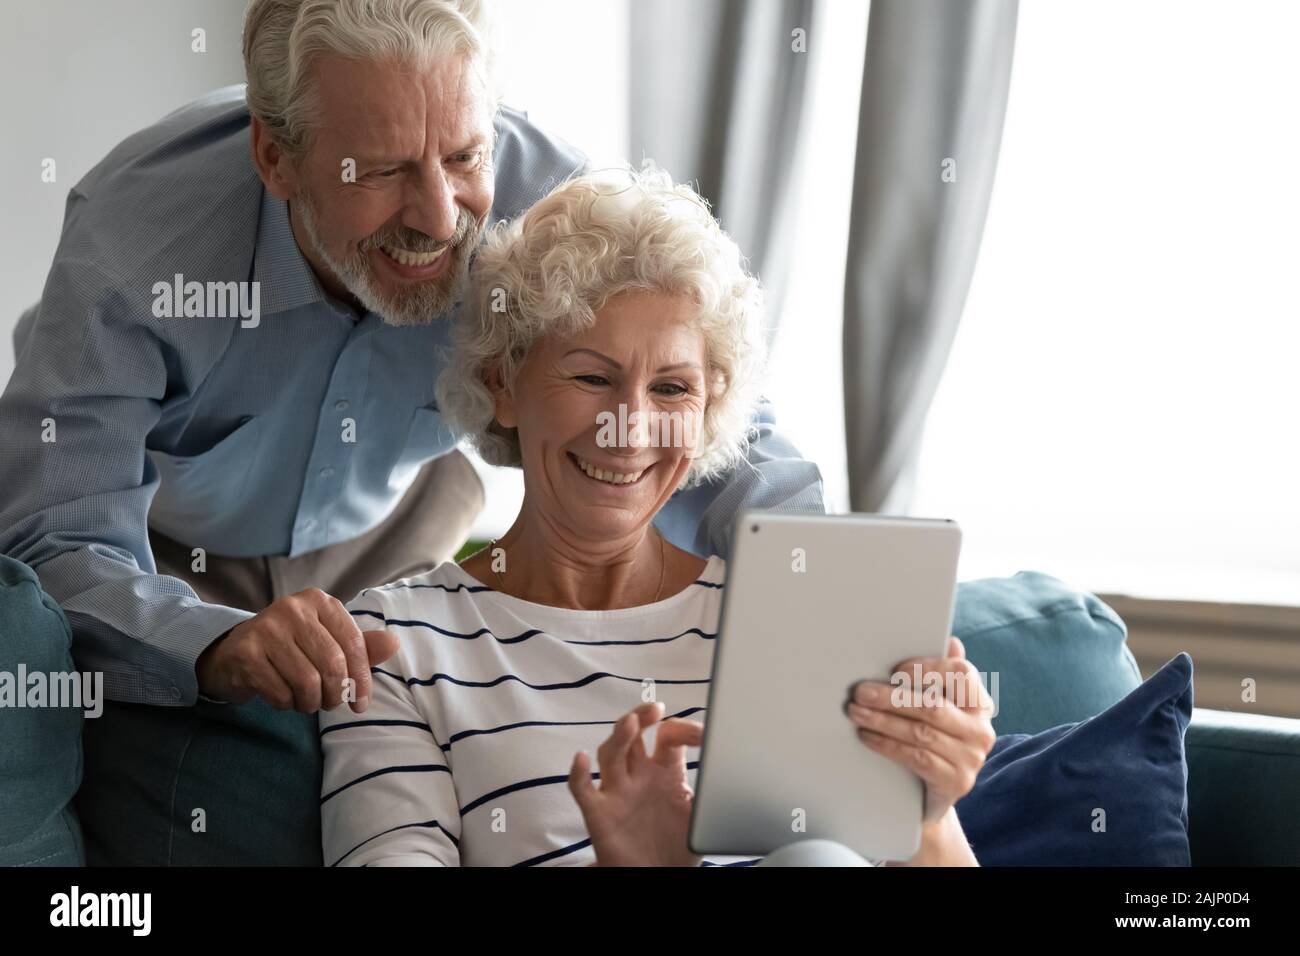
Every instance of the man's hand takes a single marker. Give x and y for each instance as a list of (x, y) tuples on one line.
[(295, 655), (640, 814)]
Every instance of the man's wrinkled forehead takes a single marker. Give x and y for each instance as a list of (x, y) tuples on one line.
[(400, 112)]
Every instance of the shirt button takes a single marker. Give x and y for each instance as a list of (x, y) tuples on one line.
[(341, 404), (326, 471)]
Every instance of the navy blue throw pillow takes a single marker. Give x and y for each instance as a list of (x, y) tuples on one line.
[(1109, 791)]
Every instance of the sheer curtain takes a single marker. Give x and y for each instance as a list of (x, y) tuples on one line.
[(934, 95), (718, 98)]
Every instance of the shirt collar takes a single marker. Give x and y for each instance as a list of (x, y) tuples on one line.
[(285, 279)]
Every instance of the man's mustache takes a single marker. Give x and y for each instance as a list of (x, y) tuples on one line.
[(416, 241)]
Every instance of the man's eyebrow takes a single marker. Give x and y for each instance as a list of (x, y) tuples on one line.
[(378, 159), (478, 142)]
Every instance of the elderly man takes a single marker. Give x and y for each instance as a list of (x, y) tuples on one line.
[(222, 419)]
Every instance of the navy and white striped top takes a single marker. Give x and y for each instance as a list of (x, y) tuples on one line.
[(462, 758)]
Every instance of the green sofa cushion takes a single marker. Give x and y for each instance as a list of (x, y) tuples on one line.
[(1050, 654)]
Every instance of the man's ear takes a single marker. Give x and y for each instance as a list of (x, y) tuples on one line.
[(504, 401), (276, 168)]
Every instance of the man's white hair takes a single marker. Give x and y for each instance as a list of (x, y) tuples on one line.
[(549, 271), (282, 38)]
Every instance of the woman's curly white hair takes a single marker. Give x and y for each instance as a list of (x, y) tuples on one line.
[(548, 272)]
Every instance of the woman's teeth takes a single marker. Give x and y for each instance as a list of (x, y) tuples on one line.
[(612, 477), (408, 258)]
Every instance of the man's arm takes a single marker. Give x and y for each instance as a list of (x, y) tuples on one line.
[(773, 477), (87, 390)]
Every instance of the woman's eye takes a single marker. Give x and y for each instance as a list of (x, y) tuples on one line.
[(670, 388), (385, 173), (593, 379)]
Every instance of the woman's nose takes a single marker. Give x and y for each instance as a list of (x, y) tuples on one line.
[(636, 411)]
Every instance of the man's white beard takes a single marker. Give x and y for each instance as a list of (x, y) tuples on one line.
[(414, 304)]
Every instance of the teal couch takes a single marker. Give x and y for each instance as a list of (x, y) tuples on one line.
[(1058, 656)]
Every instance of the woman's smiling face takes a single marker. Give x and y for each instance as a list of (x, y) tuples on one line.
[(595, 480)]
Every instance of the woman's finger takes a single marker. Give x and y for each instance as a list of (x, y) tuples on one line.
[(941, 774), (961, 748), (952, 677), (611, 756), (672, 739), (647, 716), (580, 785), (968, 724)]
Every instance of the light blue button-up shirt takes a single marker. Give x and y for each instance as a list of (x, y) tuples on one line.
[(274, 438)]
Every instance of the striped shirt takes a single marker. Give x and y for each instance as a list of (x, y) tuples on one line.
[(463, 757)]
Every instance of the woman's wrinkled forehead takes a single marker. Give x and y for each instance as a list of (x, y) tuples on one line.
[(637, 327)]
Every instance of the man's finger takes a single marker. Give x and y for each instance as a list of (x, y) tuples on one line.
[(298, 672), (340, 624), (380, 646), (266, 683), (327, 657)]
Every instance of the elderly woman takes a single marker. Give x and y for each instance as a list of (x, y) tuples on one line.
[(611, 348)]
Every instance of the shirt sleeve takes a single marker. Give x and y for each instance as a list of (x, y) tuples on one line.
[(773, 477), (387, 795), (90, 378)]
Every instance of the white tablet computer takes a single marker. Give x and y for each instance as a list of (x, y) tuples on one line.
[(814, 603)]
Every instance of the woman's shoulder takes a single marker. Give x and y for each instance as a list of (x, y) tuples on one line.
[(714, 573), (446, 578), (421, 610), (441, 598)]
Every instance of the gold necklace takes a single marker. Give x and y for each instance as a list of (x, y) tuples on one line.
[(663, 567)]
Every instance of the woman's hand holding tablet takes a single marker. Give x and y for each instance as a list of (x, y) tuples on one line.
[(814, 605), (943, 739)]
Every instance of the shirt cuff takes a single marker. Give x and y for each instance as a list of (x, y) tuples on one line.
[(188, 636)]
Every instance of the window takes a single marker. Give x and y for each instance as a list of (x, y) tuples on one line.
[(1119, 409)]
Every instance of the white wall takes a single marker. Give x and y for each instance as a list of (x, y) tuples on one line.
[(77, 77)]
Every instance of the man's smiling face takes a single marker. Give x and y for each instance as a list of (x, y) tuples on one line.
[(398, 239)]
